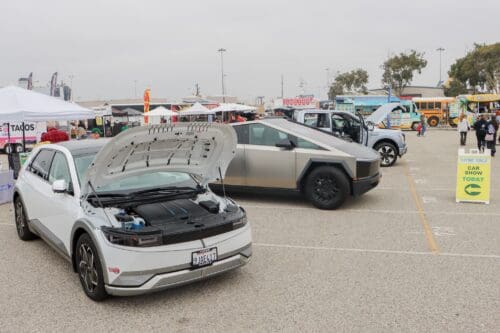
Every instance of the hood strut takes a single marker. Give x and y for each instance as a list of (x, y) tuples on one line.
[(222, 182)]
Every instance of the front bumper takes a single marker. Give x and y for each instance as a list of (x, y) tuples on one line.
[(177, 278), (364, 185), (403, 150)]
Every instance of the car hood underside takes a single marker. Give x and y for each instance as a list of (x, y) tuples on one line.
[(201, 149)]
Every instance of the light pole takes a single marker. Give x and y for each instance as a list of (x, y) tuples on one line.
[(71, 76), (222, 50), (440, 50)]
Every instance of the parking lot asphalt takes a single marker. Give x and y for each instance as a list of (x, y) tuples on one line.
[(403, 257)]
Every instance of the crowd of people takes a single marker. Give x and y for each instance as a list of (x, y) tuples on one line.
[(486, 129)]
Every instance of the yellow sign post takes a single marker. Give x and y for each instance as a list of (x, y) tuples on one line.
[(473, 176)]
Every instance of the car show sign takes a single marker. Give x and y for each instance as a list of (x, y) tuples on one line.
[(473, 176)]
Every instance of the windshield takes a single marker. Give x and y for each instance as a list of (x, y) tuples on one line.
[(145, 181)]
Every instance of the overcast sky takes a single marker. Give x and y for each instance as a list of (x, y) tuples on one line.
[(170, 45)]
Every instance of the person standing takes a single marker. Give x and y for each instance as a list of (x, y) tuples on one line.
[(480, 128), (491, 135), (463, 128)]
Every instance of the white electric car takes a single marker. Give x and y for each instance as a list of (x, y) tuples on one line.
[(134, 214)]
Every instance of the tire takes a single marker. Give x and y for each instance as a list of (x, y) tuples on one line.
[(414, 126), (388, 153), (327, 187), (18, 148), (22, 228), (89, 269), (7, 148), (433, 121)]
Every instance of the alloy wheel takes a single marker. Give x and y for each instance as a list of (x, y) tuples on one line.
[(325, 188), (20, 221), (87, 268), (388, 154)]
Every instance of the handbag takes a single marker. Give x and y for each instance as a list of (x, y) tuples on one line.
[(489, 137)]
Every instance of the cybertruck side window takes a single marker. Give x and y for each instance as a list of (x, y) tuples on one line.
[(41, 164), (242, 134), (262, 135)]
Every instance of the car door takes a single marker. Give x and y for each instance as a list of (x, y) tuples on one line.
[(36, 187), (64, 208), (236, 172), (265, 164)]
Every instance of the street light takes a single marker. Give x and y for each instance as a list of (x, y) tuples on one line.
[(222, 50), (440, 50)]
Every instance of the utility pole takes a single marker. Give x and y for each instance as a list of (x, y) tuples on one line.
[(440, 50), (197, 89), (282, 81), (222, 50)]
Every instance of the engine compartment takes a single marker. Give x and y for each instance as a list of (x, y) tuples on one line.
[(177, 220)]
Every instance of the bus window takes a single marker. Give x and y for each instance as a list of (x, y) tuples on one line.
[(422, 105), (437, 105), (430, 105)]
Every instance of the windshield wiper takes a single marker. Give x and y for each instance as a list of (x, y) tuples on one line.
[(171, 190)]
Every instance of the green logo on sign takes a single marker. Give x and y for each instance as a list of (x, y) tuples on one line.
[(472, 189)]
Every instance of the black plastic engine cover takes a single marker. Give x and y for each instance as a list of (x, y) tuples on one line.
[(162, 213)]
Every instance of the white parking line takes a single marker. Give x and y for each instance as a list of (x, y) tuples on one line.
[(342, 249)]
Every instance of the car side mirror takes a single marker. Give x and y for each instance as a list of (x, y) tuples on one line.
[(285, 143), (370, 126), (59, 186)]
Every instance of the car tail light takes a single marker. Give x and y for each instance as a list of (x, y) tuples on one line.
[(133, 239)]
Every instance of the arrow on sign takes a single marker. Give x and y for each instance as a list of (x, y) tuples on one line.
[(469, 189)]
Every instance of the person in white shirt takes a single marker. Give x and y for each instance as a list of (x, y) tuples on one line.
[(463, 128)]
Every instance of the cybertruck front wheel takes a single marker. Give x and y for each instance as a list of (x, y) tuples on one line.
[(88, 266), (327, 187)]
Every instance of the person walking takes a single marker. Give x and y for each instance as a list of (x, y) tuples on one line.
[(423, 123), (491, 135), (480, 128), (463, 128)]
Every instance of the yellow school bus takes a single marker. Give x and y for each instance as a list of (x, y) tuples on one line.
[(435, 109)]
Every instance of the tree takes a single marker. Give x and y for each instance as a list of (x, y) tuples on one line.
[(399, 70), (349, 82), (454, 88), (479, 70)]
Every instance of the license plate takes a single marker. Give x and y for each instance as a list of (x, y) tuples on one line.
[(204, 257)]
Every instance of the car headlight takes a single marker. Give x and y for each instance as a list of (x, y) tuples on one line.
[(127, 238), (240, 222)]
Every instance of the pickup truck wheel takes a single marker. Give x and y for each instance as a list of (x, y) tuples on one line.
[(88, 266), (23, 231), (327, 187), (388, 153)]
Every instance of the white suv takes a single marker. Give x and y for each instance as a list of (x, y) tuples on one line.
[(134, 214)]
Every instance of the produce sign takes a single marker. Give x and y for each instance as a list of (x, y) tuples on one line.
[(473, 176)]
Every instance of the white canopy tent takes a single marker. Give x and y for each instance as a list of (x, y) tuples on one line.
[(233, 107), (19, 105), (196, 110)]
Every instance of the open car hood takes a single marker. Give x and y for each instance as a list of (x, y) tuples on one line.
[(196, 148), (381, 113)]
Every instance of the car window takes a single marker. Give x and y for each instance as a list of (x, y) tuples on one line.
[(302, 143), (41, 163), (60, 170), (265, 136), (320, 120), (242, 133)]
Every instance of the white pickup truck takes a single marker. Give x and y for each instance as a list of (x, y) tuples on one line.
[(32, 132)]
